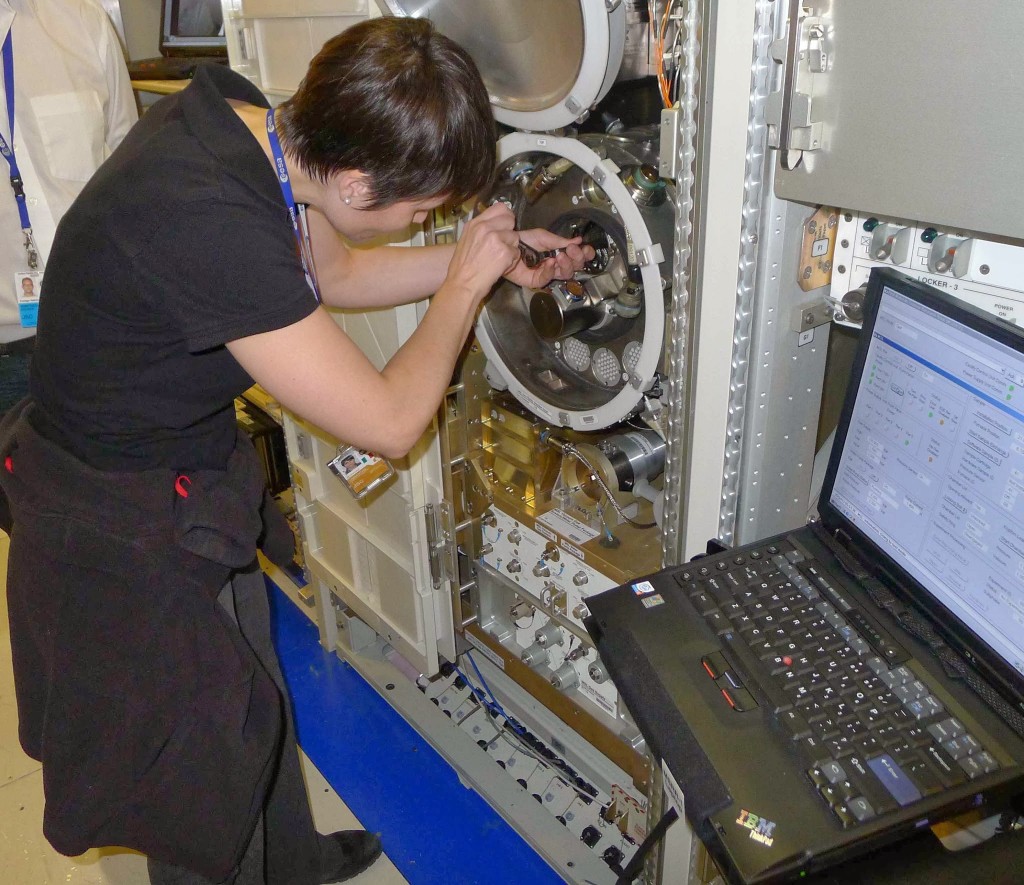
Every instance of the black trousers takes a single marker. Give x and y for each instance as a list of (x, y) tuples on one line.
[(284, 847)]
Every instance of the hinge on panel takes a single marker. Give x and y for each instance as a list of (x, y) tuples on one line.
[(804, 53), (440, 543)]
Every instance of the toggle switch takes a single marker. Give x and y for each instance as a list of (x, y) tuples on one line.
[(943, 253), (882, 239)]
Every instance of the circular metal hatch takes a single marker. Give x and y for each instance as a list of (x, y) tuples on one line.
[(595, 373), (545, 62)]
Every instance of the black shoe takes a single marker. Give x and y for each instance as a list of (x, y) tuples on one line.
[(346, 854)]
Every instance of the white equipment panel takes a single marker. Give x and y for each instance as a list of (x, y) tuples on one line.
[(982, 272), (378, 555), (910, 108)]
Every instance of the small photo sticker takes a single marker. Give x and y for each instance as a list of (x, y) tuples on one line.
[(651, 601), (360, 471), (642, 588)]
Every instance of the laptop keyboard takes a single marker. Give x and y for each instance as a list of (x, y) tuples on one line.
[(874, 735)]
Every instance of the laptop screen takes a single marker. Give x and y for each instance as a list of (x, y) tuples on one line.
[(192, 28), (931, 466)]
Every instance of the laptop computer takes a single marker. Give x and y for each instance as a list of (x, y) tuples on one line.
[(846, 684), (191, 34)]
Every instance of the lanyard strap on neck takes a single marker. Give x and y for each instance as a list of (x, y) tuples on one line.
[(295, 212), (17, 185)]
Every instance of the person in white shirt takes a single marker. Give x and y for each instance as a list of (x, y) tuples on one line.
[(73, 103)]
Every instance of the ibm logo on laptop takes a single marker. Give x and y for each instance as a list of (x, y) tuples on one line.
[(761, 829)]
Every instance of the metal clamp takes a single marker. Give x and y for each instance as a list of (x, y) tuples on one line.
[(440, 543), (805, 40)]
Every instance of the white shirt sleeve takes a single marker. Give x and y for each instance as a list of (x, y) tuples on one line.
[(121, 111)]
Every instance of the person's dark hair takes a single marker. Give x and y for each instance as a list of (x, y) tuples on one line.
[(400, 102)]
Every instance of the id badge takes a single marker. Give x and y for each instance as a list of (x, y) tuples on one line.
[(27, 288), (360, 472)]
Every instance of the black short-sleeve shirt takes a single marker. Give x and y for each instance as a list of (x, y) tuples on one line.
[(180, 242)]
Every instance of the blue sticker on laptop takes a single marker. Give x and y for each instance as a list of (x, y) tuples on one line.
[(642, 588)]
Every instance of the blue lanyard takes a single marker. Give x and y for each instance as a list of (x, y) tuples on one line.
[(17, 185), (295, 212)]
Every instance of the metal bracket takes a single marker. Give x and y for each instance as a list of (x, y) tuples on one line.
[(668, 145), (653, 254), (811, 315), (440, 543), (804, 53)]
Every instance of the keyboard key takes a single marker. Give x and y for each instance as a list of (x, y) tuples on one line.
[(888, 735), (846, 819), (742, 700), (859, 646), (946, 768), (811, 746), (825, 729), (817, 777), (917, 709), (986, 760), (718, 588), (904, 674), (961, 746), (718, 622), (972, 768), (871, 684), (924, 775), (704, 603), (878, 665), (839, 746), (868, 785), (861, 809), (796, 724), (916, 736), (908, 693), (905, 754), (918, 688), (894, 779), (827, 610), (932, 705), (837, 794), (833, 771), (947, 729), (867, 745)]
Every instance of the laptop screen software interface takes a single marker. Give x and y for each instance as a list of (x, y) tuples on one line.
[(932, 466)]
